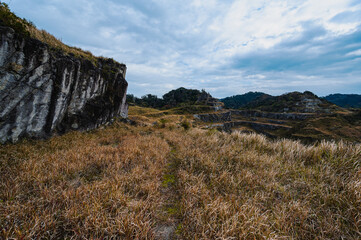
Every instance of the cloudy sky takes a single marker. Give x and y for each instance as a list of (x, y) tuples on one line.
[(225, 47)]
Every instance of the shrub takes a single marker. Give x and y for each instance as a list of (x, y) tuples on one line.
[(186, 124), (9, 19), (162, 122)]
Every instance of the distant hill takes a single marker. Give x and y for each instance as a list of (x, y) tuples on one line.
[(180, 97), (306, 102), (238, 101), (171, 99), (345, 100)]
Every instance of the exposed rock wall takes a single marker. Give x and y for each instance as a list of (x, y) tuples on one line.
[(207, 99), (273, 115), (214, 117), (43, 91), (227, 116)]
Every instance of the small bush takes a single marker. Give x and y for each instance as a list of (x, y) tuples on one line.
[(186, 124), (162, 122)]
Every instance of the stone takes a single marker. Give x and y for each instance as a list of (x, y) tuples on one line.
[(44, 91), (214, 117), (207, 99)]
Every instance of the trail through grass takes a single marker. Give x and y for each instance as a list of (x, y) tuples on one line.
[(169, 223), (164, 182)]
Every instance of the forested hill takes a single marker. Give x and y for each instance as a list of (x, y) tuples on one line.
[(238, 101), (345, 100), (173, 98)]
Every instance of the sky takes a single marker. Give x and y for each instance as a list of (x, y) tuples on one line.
[(225, 47)]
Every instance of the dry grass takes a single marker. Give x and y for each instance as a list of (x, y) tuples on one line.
[(245, 187), (53, 42), (111, 183), (89, 185), (28, 29)]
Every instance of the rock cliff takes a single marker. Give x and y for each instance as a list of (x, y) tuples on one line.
[(45, 91)]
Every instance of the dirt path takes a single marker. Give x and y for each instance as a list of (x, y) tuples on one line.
[(170, 210)]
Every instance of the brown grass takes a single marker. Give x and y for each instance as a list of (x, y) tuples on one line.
[(245, 187), (56, 43), (87, 185), (28, 29), (111, 183)]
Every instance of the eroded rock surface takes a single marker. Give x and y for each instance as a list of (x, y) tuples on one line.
[(228, 116), (44, 91), (273, 115), (214, 117)]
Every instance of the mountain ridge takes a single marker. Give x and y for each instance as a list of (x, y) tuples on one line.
[(345, 100)]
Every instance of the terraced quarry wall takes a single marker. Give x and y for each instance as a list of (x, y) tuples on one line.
[(307, 127)]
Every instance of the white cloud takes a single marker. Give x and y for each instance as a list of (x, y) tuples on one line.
[(354, 53), (197, 43), (256, 76)]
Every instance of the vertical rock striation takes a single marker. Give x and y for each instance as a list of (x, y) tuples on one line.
[(45, 91)]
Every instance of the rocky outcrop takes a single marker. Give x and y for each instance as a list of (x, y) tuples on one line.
[(207, 99), (44, 91), (214, 117)]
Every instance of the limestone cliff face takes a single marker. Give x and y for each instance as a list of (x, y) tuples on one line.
[(44, 91)]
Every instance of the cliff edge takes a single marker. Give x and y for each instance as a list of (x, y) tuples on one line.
[(44, 90)]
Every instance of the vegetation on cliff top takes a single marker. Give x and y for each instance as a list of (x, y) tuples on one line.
[(27, 29), (8, 18), (133, 181)]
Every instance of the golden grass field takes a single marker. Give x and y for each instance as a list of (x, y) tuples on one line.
[(148, 181)]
